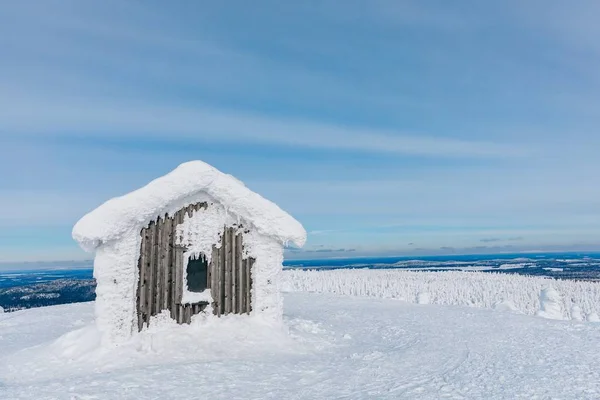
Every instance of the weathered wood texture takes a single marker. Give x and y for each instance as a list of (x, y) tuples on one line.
[(161, 272), (231, 275)]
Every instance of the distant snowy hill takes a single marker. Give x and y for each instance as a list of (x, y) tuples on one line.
[(330, 347)]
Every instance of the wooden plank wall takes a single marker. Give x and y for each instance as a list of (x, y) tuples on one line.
[(231, 280), (161, 272)]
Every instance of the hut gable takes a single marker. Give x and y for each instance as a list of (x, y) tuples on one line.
[(173, 191), (195, 241)]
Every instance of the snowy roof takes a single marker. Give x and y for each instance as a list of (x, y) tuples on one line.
[(135, 210)]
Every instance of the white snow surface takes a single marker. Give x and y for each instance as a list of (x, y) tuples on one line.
[(113, 219), (474, 289), (327, 347)]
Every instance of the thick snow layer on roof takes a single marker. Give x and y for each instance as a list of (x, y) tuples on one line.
[(120, 215)]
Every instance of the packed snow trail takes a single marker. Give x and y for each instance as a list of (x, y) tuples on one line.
[(336, 347)]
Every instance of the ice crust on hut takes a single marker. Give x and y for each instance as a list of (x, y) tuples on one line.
[(194, 212)]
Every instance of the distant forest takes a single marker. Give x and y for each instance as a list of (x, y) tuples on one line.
[(61, 291)]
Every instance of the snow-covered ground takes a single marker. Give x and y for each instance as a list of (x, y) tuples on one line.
[(331, 347), (574, 299)]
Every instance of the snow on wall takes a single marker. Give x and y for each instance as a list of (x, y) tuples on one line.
[(477, 289), (266, 274), (203, 229), (116, 274), (199, 233)]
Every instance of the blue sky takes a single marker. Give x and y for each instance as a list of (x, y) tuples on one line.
[(385, 127)]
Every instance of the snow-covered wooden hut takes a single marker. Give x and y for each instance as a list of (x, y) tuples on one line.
[(193, 241)]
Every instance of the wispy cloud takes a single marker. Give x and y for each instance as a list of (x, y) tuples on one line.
[(127, 85), (72, 117), (498, 239)]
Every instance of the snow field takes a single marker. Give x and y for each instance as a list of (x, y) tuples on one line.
[(328, 347), (545, 297)]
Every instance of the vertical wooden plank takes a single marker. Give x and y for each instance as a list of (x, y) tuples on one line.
[(180, 311), (144, 290), (242, 276), (188, 313), (158, 263), (209, 271), (147, 263), (246, 286), (227, 264), (154, 266), (225, 277), (220, 294), (149, 277), (166, 261), (222, 252), (181, 270), (238, 275), (242, 293), (162, 253), (248, 271), (214, 286), (141, 295), (173, 268), (220, 276), (148, 268), (231, 269), (234, 275), (230, 233), (177, 269), (217, 272)]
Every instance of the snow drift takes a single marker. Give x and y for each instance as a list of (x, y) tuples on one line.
[(561, 299)]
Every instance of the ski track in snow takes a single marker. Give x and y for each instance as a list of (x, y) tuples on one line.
[(336, 347)]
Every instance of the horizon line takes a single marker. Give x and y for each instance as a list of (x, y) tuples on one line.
[(597, 251)]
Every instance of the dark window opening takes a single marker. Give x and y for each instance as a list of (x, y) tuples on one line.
[(197, 274)]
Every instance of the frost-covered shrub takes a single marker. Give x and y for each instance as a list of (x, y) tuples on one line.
[(550, 304), (477, 289), (423, 298), (576, 313)]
